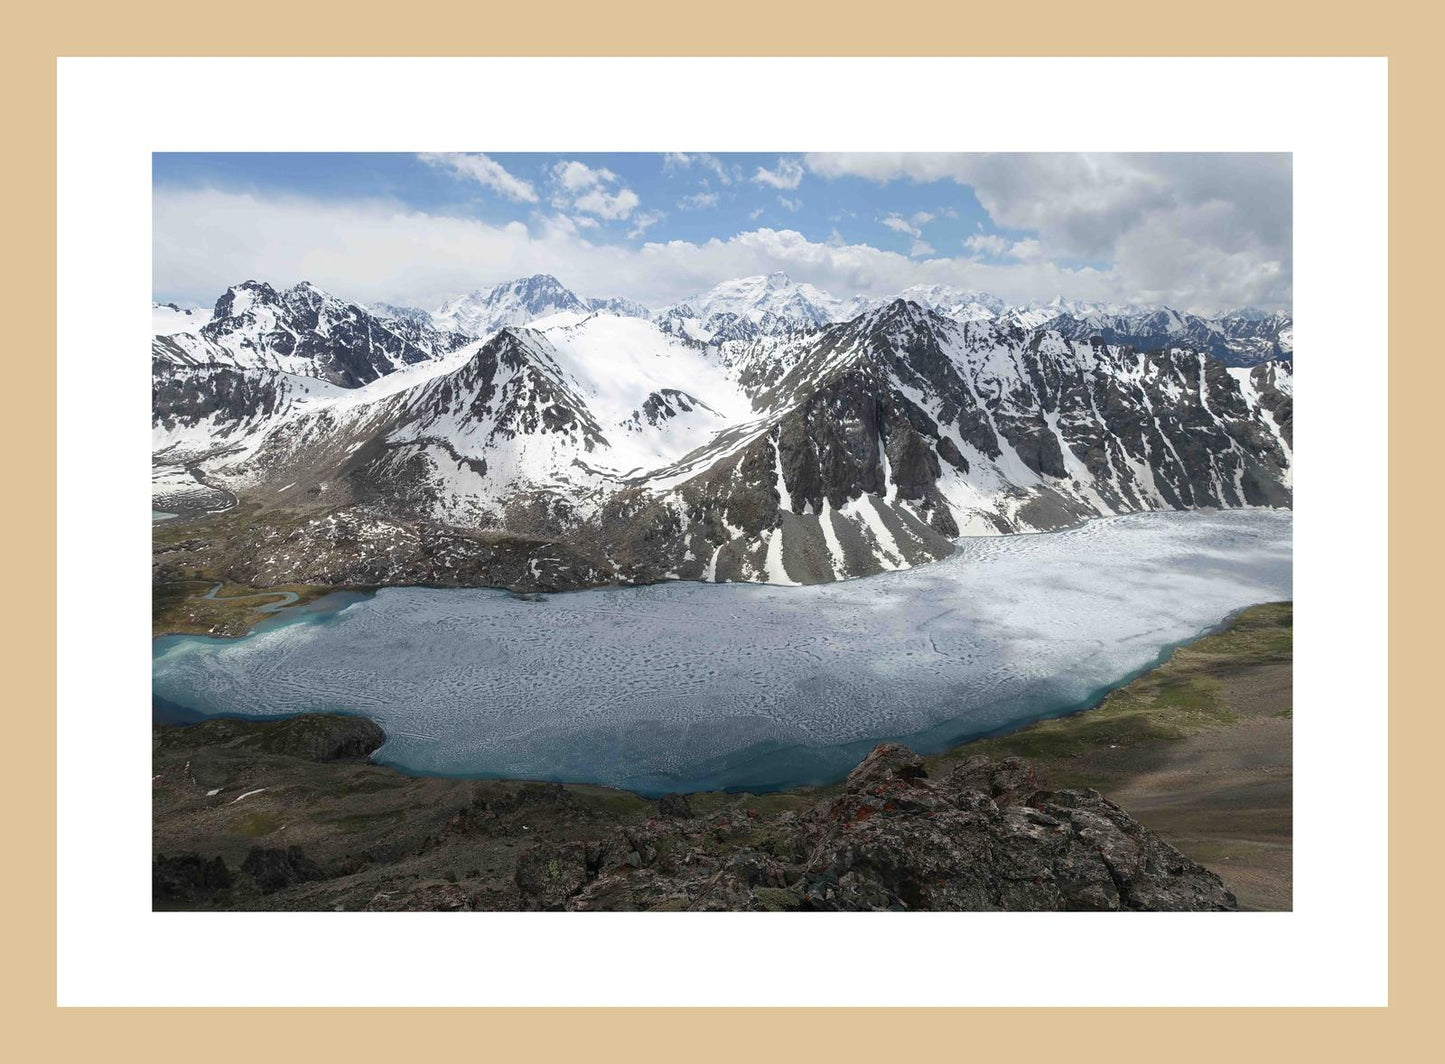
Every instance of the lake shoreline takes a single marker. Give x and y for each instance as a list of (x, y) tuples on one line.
[(1203, 820), (172, 714), (160, 630), (917, 741), (804, 681)]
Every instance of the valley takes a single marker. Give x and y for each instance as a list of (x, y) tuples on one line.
[(483, 533)]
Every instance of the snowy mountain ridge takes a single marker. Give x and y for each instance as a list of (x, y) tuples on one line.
[(766, 305), (624, 449)]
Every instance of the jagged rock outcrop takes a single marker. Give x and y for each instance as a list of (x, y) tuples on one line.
[(985, 837), (304, 331)]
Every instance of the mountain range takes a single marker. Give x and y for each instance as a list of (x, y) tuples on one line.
[(528, 437)]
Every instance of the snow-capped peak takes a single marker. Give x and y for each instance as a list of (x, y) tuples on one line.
[(517, 302)]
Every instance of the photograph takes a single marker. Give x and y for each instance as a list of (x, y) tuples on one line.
[(679, 531)]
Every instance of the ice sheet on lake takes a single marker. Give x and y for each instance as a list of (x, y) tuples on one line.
[(686, 686)]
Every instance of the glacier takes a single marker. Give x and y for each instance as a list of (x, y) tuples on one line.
[(688, 686)]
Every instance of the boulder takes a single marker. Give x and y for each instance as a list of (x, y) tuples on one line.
[(674, 806), (187, 877), (276, 868)]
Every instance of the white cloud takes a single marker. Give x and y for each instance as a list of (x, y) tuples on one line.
[(921, 218), (788, 175), (576, 176), (987, 244), (698, 200), (900, 224), (726, 175), (644, 221), (580, 187), (477, 167), (611, 206), (206, 240), (1224, 220), (1026, 249), (790, 204), (920, 248)]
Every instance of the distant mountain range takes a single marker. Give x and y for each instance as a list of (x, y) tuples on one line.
[(764, 305), (525, 436)]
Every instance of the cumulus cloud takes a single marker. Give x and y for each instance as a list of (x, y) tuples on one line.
[(702, 161), (612, 206), (477, 167), (1200, 230), (987, 244), (900, 224), (574, 176), (206, 240), (580, 187), (644, 221), (788, 174), (1027, 250)]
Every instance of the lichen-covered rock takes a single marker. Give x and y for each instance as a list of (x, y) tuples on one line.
[(982, 834), (983, 838), (547, 875)]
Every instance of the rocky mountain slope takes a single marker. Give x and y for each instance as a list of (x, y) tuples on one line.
[(305, 332), (987, 835), (791, 450)]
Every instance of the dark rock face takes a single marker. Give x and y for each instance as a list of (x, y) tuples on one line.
[(1279, 403), (325, 737), (187, 878), (339, 342), (674, 806), (984, 838), (311, 737), (1235, 340), (274, 868)]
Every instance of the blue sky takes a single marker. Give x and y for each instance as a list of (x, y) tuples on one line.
[(1201, 232)]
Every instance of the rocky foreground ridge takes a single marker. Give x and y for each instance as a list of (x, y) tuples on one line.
[(325, 829)]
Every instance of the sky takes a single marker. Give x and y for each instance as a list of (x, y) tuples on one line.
[(1200, 232)]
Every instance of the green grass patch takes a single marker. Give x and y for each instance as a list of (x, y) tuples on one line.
[(778, 900), (180, 607), (254, 825), (1178, 699)]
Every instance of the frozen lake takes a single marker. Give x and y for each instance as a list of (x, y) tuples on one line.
[(698, 686)]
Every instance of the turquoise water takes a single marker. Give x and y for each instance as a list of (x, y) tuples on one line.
[(689, 686)]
